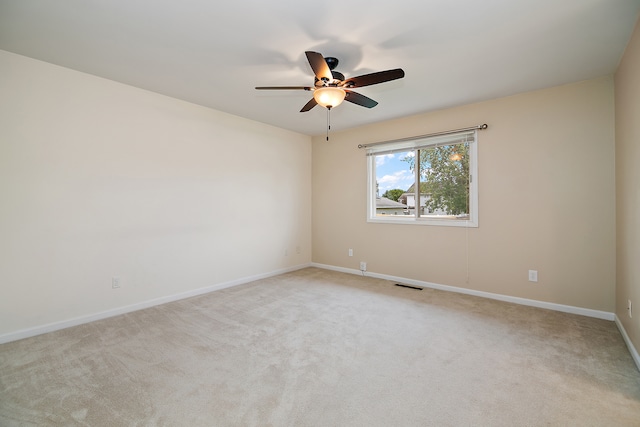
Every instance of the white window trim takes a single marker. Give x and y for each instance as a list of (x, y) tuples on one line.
[(413, 220)]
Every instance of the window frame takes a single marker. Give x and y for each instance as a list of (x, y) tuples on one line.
[(411, 144)]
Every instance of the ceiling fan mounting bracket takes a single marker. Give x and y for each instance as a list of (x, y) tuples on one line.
[(332, 62)]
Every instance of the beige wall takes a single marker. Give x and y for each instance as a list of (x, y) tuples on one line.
[(99, 179), (547, 200), (627, 96)]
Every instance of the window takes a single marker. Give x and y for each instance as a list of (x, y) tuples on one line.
[(430, 180)]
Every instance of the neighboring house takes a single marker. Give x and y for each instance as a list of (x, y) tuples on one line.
[(409, 198), (386, 206)]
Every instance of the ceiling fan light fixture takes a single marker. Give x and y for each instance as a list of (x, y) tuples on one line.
[(329, 97)]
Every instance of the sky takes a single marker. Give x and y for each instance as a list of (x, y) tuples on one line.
[(392, 172)]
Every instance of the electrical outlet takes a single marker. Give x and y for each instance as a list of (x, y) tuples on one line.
[(630, 308), (533, 275), (350, 252), (115, 283), (363, 266)]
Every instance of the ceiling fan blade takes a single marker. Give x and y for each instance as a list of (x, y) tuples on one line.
[(356, 98), (359, 99), (283, 87), (319, 65), (374, 78), (309, 105)]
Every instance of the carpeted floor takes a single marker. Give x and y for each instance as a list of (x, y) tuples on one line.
[(321, 348)]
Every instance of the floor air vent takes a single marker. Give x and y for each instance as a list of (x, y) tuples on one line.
[(407, 286)]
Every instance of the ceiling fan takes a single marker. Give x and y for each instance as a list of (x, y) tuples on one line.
[(330, 87)]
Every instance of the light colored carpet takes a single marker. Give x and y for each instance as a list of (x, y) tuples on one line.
[(320, 348)]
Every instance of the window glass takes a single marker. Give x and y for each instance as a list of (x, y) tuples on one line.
[(445, 170)]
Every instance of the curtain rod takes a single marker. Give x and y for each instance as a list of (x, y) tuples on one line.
[(446, 132)]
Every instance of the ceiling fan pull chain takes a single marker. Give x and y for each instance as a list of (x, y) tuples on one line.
[(328, 121)]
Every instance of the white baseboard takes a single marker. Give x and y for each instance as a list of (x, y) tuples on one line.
[(42, 329), (38, 330), (627, 340), (516, 300)]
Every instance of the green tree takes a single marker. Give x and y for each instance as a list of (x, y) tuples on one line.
[(393, 194), (444, 174)]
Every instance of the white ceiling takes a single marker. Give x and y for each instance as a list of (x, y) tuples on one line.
[(213, 53)]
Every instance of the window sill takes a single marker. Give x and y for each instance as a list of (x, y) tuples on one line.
[(399, 219)]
